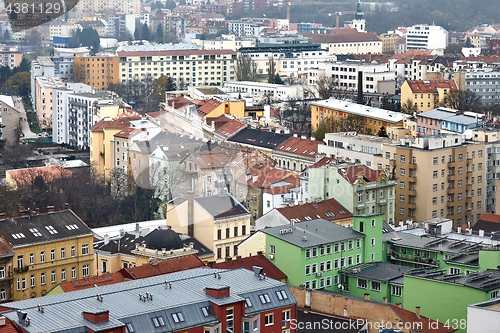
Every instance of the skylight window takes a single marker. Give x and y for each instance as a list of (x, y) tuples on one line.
[(178, 317), (308, 218), (264, 298), (281, 295), (207, 311), (129, 328), (158, 321), (248, 303), (72, 227), (18, 235), (51, 229), (35, 232)]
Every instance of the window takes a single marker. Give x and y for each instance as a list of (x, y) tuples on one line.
[(235, 232), (269, 319), (230, 320), (85, 249), (63, 275), (178, 317), (52, 255), (494, 294), (3, 294), (308, 253), (401, 184), (349, 245), (42, 278), (85, 270), (158, 321), (362, 283), (375, 286), (281, 295), (42, 256), (244, 230), (63, 253), (454, 270), (129, 328), (402, 198), (402, 171), (435, 160), (401, 211), (73, 251), (314, 251), (264, 298), (396, 291), (285, 317), (434, 174), (219, 234), (434, 201), (73, 272), (227, 233)]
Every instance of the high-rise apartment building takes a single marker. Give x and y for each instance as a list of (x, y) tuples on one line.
[(442, 175)]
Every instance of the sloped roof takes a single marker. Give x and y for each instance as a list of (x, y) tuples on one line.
[(262, 175), (5, 248), (222, 206), (208, 107), (91, 282), (127, 132), (45, 227), (347, 37), (256, 260), (330, 210), (178, 102), (352, 172), (488, 222), (256, 138), (48, 173), (431, 86), (163, 267), (324, 161), (230, 128), (122, 121), (284, 185), (304, 148), (426, 324)]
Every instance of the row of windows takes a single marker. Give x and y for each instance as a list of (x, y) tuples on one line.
[(22, 283), (326, 249), (20, 258), (402, 158), (235, 232)]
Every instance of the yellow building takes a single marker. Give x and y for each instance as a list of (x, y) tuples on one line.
[(6, 270), (103, 150), (219, 222), (48, 248), (389, 42), (426, 95), (369, 119), (97, 71), (442, 175)]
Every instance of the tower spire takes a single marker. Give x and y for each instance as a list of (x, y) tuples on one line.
[(359, 13)]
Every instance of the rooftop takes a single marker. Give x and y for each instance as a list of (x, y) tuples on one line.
[(361, 110), (27, 176), (380, 271), (256, 260), (330, 210), (486, 280), (313, 233), (304, 148), (267, 140)]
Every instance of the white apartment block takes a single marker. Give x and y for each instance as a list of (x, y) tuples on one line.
[(188, 67), (245, 28), (41, 66), (376, 77), (426, 37), (260, 90), (352, 43), (60, 28), (293, 62), (227, 42), (116, 6)]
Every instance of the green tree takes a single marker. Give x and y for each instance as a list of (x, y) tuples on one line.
[(271, 70), (145, 32), (159, 88), (137, 33), (170, 4), (382, 132), (87, 37), (19, 84), (171, 85), (246, 68), (159, 34), (468, 42), (277, 79), (453, 48)]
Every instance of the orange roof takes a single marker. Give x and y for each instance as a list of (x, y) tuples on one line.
[(352, 173), (330, 210), (230, 128), (48, 173), (292, 181), (324, 161), (122, 121), (490, 217), (261, 175), (178, 102), (421, 86), (426, 325), (412, 53), (163, 267), (208, 107), (91, 282), (127, 132), (302, 147), (256, 260), (5, 247)]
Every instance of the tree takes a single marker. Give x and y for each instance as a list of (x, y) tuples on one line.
[(468, 42), (464, 100), (16, 155), (137, 33), (19, 85), (453, 48), (382, 132), (327, 87), (159, 88), (350, 123), (145, 32), (277, 79), (297, 117), (246, 68), (159, 34), (171, 85), (409, 107), (87, 37), (271, 70)]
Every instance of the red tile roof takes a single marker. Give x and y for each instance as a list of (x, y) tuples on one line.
[(208, 107), (230, 128), (127, 132), (48, 173), (86, 283), (352, 173), (5, 247), (301, 147), (426, 325), (421, 86), (412, 53), (178, 102), (256, 260), (329, 209), (163, 267), (122, 121), (488, 222), (262, 176), (292, 182), (324, 161), (219, 157), (11, 326)]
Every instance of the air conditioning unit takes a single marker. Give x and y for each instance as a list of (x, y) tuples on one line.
[(271, 256)]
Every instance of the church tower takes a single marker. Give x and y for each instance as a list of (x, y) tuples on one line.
[(358, 23)]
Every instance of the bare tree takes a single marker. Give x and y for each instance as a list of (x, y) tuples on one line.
[(465, 100), (409, 107), (118, 183), (246, 68), (271, 70), (297, 115)]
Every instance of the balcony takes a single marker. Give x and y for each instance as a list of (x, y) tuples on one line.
[(21, 269), (412, 192), (412, 179), (412, 205), (412, 166), (450, 190), (414, 259), (452, 164)]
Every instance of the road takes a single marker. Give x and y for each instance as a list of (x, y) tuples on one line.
[(25, 126)]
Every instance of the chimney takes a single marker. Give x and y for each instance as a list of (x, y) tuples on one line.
[(106, 239), (367, 296), (360, 87), (481, 233), (191, 213), (2, 321), (228, 259), (464, 227), (255, 177), (50, 209), (417, 311), (37, 210), (459, 230), (257, 270), (399, 305), (66, 205), (384, 299)]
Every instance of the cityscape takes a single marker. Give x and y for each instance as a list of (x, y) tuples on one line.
[(249, 166)]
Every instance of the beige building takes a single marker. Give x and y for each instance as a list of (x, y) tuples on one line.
[(389, 42), (219, 222), (442, 175), (44, 88)]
